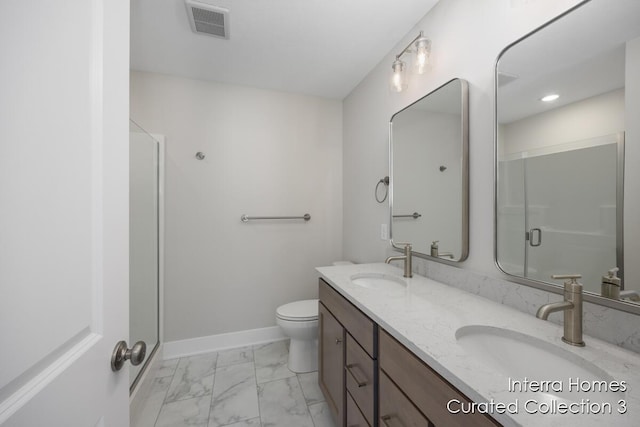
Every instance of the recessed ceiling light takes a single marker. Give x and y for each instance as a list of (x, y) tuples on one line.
[(550, 98)]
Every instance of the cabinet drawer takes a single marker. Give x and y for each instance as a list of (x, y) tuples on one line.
[(331, 362), (354, 416), (396, 409), (358, 324), (424, 387), (360, 378)]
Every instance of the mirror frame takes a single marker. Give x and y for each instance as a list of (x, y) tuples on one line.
[(545, 286), (464, 122)]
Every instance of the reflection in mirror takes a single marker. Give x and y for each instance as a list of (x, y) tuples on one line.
[(428, 195), (567, 165)]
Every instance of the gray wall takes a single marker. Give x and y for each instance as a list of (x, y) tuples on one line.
[(467, 36), (267, 153)]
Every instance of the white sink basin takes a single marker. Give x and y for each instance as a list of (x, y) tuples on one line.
[(521, 357), (379, 281)]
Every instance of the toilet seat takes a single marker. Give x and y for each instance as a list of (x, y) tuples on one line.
[(299, 311)]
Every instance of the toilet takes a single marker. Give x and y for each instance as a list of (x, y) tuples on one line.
[(299, 321)]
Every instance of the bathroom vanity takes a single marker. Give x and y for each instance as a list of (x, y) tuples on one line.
[(361, 364), (347, 358), (414, 352)]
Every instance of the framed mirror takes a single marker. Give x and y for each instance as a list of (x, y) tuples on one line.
[(567, 151), (429, 173)]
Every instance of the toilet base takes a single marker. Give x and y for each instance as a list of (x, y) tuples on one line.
[(303, 356)]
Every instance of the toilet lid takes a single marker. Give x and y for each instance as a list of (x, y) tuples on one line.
[(299, 310)]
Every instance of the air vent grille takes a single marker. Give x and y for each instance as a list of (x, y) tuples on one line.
[(214, 30), (207, 19)]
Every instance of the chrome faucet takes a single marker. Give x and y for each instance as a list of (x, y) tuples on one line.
[(633, 295), (406, 257), (572, 307)]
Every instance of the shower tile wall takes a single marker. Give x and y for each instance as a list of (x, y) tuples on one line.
[(243, 387)]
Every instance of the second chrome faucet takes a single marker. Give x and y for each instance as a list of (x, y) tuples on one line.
[(406, 257), (572, 307)]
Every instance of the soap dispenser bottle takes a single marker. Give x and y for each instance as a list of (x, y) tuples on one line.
[(434, 248), (611, 285)]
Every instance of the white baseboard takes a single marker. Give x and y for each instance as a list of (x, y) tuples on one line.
[(194, 346)]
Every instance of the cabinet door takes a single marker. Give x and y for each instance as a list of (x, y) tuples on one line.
[(354, 416), (396, 409), (331, 362), (424, 387)]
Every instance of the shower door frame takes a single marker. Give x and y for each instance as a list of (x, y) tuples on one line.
[(140, 387), (617, 138)]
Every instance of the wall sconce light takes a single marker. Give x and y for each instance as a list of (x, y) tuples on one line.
[(421, 46)]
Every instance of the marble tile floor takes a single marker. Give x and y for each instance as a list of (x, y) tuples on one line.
[(243, 387)]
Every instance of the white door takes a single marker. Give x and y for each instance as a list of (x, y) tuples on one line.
[(64, 77)]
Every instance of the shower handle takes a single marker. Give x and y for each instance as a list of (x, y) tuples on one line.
[(531, 237)]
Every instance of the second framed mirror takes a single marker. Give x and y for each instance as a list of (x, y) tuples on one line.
[(429, 173)]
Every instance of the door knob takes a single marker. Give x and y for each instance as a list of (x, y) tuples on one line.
[(121, 354)]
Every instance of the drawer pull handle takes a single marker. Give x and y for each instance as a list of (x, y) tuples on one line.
[(386, 420), (350, 370), (338, 341)]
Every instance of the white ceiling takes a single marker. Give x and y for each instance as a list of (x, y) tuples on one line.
[(579, 56), (315, 47)]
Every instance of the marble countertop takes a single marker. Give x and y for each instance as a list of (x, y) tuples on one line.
[(426, 315)]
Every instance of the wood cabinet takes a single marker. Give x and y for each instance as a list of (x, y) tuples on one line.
[(354, 416), (360, 378), (371, 380), (396, 409), (423, 387), (352, 364), (331, 362)]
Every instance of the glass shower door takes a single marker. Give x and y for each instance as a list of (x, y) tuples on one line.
[(144, 253), (570, 210), (560, 210)]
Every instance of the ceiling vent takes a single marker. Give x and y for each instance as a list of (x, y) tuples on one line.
[(207, 19)]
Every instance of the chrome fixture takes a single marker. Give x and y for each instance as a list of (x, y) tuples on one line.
[(422, 48), (247, 218), (530, 236), (631, 295), (121, 354), (572, 307), (384, 181), (406, 257), (414, 215)]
